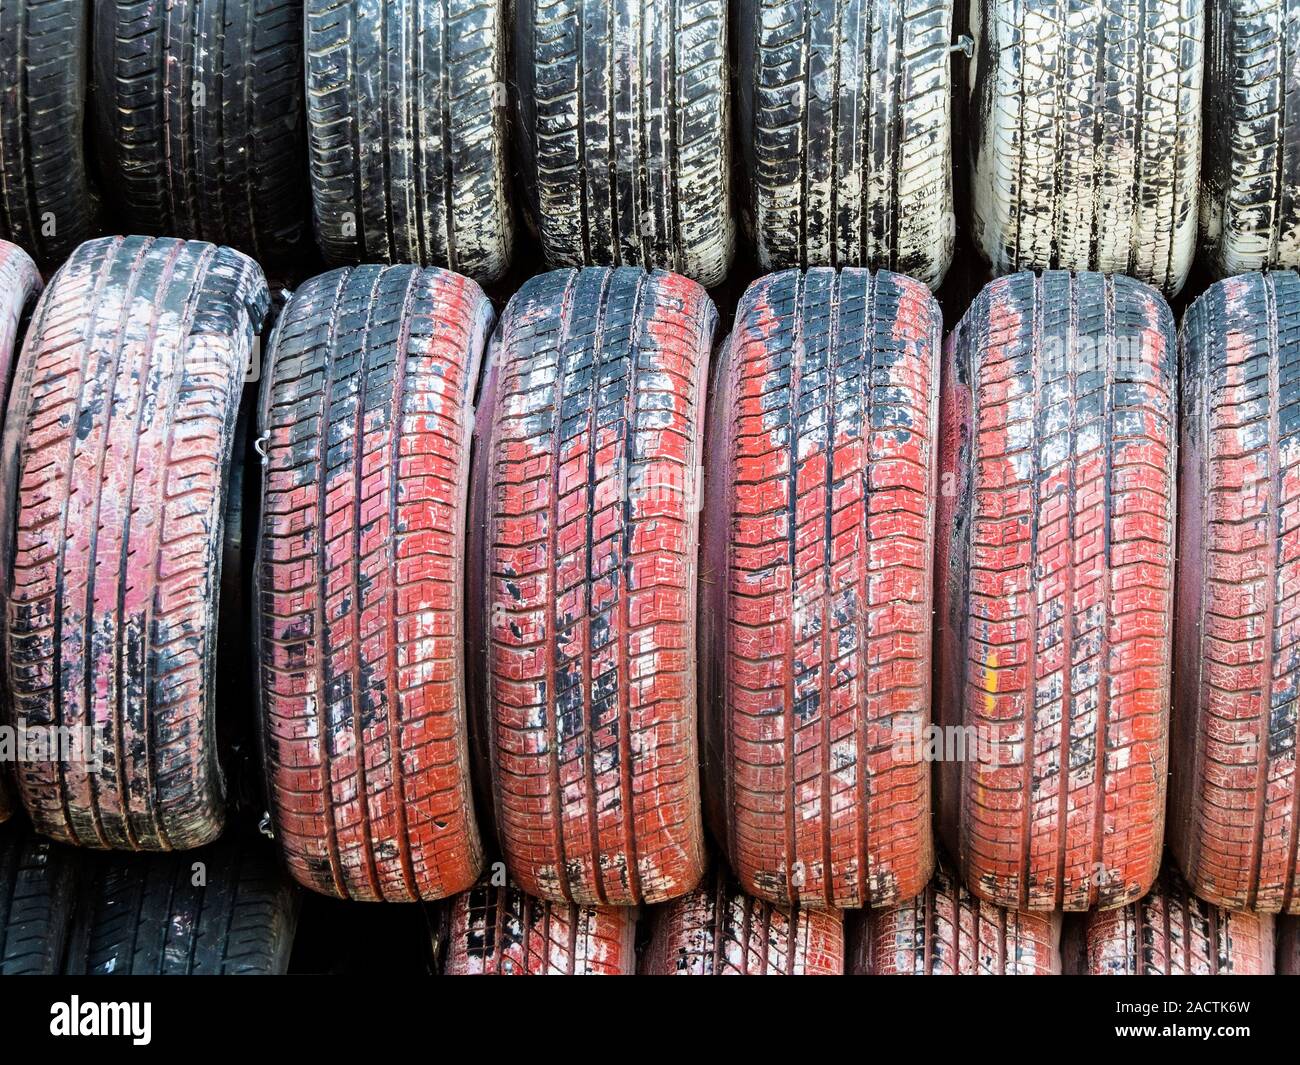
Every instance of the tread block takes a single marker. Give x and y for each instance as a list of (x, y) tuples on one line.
[(38, 883)]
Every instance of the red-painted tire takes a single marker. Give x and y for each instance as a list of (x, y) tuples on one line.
[(582, 604), (1234, 821), (1171, 932), (366, 416), (19, 284), (946, 931), (117, 447), (817, 548), (1056, 526), (502, 931), (718, 930)]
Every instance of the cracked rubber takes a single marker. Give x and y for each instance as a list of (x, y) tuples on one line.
[(817, 563), (1056, 526), (38, 881), (145, 915), (1173, 933), (717, 930), (46, 204), (367, 410), (116, 451), (582, 606), (946, 931), (406, 106), (846, 133), (1234, 821), (199, 128), (1250, 175), (501, 931), (1085, 136), (622, 116)]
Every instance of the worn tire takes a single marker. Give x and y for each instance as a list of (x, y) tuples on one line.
[(1086, 136), (366, 414), (718, 930), (116, 448), (145, 915), (846, 133), (199, 128), (1171, 932), (45, 196), (817, 578), (38, 882), (407, 129), (501, 931), (622, 112), (1056, 518), (1250, 176), (1234, 822), (582, 608)]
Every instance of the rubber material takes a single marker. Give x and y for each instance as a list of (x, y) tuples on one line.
[(38, 882), (366, 415)]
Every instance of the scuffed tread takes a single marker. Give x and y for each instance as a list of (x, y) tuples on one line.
[(116, 449), (1171, 932), (1056, 517), (38, 880), (366, 417), (199, 124), (846, 135), (586, 492), (817, 582), (46, 204), (1085, 135), (1235, 798), (406, 106), (501, 931), (225, 910), (948, 932), (717, 930), (623, 126), (1250, 176)]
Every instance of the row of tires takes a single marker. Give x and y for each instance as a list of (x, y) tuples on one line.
[(511, 557), (1085, 131), (229, 909)]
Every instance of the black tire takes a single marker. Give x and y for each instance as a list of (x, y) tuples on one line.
[(46, 204), (846, 133), (406, 110), (199, 120), (1085, 136), (116, 453), (38, 880), (625, 156), (148, 915), (1250, 174)]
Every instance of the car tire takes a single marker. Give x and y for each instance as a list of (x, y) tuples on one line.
[(38, 885)]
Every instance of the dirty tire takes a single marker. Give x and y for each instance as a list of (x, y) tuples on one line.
[(1234, 821), (144, 915), (45, 196), (1171, 932), (587, 474), (856, 172), (1056, 520), (948, 932), (817, 587), (407, 133), (116, 451), (1250, 177), (199, 128), (625, 155), (717, 930), (501, 931), (367, 411), (1086, 136), (38, 880)]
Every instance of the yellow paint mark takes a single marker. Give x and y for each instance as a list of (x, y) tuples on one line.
[(990, 681)]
